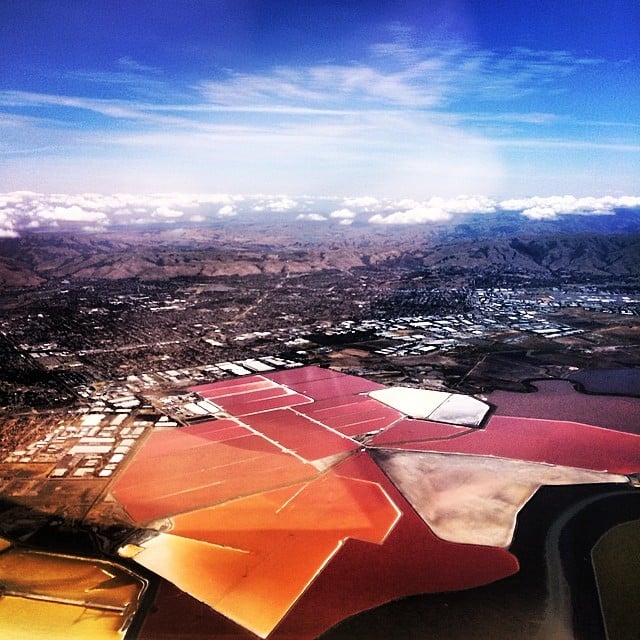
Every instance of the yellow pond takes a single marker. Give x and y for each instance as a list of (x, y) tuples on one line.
[(46, 595)]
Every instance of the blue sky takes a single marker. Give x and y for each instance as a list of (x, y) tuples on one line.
[(374, 99)]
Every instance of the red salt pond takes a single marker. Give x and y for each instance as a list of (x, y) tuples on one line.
[(351, 415), (256, 394), (418, 432), (296, 432), (550, 441), (303, 374), (321, 384), (558, 400)]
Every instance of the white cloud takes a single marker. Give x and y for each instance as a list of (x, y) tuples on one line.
[(24, 210), (435, 209), (343, 214), (209, 198), (313, 217), (628, 202), (275, 204), (540, 213), (405, 203), (464, 204), (72, 213), (227, 211), (549, 208), (167, 212), (417, 215), (363, 203), (6, 224)]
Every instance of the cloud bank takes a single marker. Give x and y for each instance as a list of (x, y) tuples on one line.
[(25, 211), (550, 208)]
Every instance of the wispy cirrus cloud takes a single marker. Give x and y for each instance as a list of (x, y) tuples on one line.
[(338, 86), (408, 78), (409, 119), (404, 78), (134, 66), (116, 109)]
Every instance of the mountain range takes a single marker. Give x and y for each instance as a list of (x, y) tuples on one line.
[(604, 245)]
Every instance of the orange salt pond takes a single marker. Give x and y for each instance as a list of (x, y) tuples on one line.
[(251, 559)]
